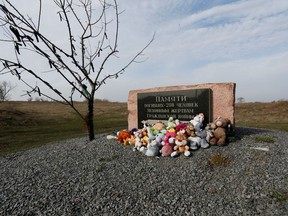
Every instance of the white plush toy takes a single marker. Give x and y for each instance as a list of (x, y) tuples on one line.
[(203, 134), (152, 149), (138, 144), (195, 142), (197, 121)]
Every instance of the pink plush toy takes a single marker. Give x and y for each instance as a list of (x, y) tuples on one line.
[(169, 134), (167, 150), (168, 143), (181, 127)]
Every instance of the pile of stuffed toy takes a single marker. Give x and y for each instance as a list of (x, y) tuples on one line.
[(175, 137)]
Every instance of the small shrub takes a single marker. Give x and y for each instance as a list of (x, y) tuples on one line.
[(280, 197), (266, 139), (218, 160), (100, 168)]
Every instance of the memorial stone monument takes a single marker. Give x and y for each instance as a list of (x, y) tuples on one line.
[(181, 102)]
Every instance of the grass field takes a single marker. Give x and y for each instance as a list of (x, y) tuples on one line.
[(272, 115), (25, 125)]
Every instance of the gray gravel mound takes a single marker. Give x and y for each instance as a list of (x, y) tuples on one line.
[(76, 177)]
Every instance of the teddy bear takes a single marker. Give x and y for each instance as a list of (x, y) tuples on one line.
[(210, 127), (220, 131), (194, 141), (158, 126), (189, 130), (140, 133), (181, 145)]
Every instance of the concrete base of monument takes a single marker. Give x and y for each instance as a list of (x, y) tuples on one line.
[(221, 101)]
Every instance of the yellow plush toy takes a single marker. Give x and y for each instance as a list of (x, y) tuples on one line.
[(145, 140)]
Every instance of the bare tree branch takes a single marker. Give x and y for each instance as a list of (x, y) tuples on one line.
[(92, 36)]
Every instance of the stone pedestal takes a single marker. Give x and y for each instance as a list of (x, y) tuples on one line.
[(223, 100)]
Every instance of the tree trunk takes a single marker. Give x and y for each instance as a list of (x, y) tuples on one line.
[(90, 120)]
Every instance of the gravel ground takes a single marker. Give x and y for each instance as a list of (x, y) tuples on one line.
[(76, 177)]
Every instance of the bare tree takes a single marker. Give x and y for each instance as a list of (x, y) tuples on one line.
[(5, 90), (91, 36)]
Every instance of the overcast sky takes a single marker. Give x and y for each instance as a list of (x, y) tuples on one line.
[(201, 41)]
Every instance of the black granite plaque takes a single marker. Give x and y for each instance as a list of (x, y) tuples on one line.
[(182, 105)]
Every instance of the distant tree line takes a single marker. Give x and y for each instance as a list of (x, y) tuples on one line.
[(41, 99), (240, 100)]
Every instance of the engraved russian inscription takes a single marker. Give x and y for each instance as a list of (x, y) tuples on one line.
[(182, 105)]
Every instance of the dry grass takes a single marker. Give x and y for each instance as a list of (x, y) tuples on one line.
[(279, 196), (50, 110), (218, 159), (25, 125), (263, 115), (265, 139)]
